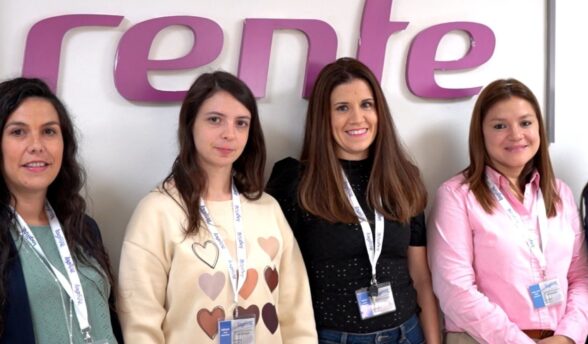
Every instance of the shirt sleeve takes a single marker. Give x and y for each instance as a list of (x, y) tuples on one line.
[(418, 231), (451, 256), (143, 276), (574, 323), (295, 311)]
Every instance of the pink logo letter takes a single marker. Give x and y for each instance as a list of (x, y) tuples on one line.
[(257, 41), (421, 64), (133, 63)]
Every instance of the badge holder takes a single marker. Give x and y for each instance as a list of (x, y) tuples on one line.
[(375, 300), (240, 330), (546, 293)]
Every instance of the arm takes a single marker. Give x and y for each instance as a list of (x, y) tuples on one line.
[(421, 277), (294, 304), (451, 256), (143, 278)]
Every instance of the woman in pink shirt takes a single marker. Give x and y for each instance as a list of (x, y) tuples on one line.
[(506, 248)]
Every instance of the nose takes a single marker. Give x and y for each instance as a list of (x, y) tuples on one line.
[(228, 131), (355, 115), (36, 144), (515, 132)]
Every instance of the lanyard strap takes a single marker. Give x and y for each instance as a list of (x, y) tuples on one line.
[(538, 211), (71, 284), (373, 246), (237, 276)]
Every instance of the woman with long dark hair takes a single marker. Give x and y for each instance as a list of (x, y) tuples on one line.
[(208, 255), (506, 245), (56, 277), (355, 202)]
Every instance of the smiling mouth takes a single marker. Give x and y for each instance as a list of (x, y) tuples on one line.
[(36, 164), (357, 132), (516, 148)]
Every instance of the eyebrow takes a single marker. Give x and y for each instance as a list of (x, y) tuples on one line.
[(23, 124), (518, 118), (347, 102), (223, 115)]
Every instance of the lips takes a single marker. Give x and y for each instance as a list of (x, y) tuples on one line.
[(224, 150), (36, 166), (517, 148), (357, 132)]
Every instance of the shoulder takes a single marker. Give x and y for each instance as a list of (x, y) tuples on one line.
[(565, 194), (163, 198), (454, 184), (266, 201), (284, 177)]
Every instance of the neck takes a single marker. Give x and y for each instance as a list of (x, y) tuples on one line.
[(32, 209), (218, 185)]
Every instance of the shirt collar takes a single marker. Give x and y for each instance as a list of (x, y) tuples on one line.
[(500, 180)]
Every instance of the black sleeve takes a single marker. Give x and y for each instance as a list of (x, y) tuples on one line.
[(283, 186), (116, 329), (418, 230)]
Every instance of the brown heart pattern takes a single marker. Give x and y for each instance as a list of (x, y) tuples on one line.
[(270, 317), (207, 252), (271, 277), (249, 285), (271, 245), (243, 312), (208, 321), (212, 285)]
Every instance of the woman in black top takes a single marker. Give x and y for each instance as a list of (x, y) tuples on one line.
[(350, 138)]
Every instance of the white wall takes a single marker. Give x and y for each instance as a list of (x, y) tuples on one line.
[(128, 147)]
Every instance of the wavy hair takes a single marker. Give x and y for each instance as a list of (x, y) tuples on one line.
[(395, 188), (475, 175), (187, 176), (63, 193)]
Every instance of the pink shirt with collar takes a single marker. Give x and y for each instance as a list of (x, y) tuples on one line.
[(482, 267)]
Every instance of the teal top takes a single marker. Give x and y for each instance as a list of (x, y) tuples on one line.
[(52, 311)]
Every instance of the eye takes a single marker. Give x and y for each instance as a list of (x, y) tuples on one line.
[(499, 126), (367, 104), (341, 108), (526, 123), (17, 132), (243, 123), (214, 119), (50, 131)]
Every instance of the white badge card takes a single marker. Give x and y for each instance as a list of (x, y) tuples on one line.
[(237, 331), (101, 341), (546, 293), (375, 304)]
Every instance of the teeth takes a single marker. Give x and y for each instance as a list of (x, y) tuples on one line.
[(36, 164), (357, 131)]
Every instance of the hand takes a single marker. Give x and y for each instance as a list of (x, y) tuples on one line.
[(556, 340)]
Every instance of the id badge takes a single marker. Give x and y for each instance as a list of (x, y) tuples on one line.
[(237, 331), (101, 341), (376, 304), (546, 293)]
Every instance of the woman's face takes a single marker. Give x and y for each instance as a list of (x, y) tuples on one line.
[(221, 130), (32, 147), (511, 135), (354, 119)]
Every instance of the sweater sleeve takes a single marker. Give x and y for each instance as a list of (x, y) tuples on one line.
[(294, 305), (143, 273)]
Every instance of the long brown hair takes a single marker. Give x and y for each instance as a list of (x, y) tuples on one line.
[(63, 194), (189, 178), (395, 188), (495, 92)]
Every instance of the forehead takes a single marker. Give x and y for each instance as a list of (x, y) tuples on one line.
[(352, 88), (34, 110), (222, 102), (510, 108)]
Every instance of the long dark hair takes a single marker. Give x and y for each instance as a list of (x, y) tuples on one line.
[(495, 92), (395, 188), (186, 176), (63, 194)]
